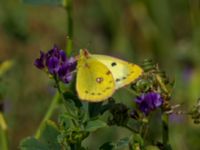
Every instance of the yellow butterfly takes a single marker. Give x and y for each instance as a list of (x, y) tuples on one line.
[(98, 76)]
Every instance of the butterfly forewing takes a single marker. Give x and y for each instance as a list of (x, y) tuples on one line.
[(94, 82), (123, 72)]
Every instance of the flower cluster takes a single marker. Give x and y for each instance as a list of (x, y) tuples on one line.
[(57, 64), (149, 101)]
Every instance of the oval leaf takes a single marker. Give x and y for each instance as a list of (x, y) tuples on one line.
[(93, 125)]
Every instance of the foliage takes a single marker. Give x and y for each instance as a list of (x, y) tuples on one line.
[(166, 31), (80, 119)]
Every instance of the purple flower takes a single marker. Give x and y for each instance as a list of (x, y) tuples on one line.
[(72, 63), (55, 58), (53, 65), (64, 73), (39, 62), (63, 55), (57, 64), (149, 101)]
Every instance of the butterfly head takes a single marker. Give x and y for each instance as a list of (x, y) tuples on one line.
[(84, 53), (83, 57)]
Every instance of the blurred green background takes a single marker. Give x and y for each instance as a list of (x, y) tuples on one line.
[(167, 31)]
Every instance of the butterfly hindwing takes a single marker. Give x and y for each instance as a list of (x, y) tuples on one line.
[(94, 81), (123, 72)]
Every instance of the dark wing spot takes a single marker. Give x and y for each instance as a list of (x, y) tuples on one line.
[(113, 64), (99, 93), (117, 80), (107, 88), (92, 93), (110, 81), (86, 91), (128, 74), (123, 78), (108, 73), (132, 72)]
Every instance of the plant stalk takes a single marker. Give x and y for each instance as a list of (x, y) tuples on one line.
[(3, 133), (49, 113), (165, 129), (69, 10)]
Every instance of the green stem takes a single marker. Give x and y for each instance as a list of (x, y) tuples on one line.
[(57, 83), (143, 130), (3, 133), (165, 117), (49, 113), (165, 129), (69, 10)]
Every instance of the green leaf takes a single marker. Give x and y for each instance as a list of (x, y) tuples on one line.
[(65, 120), (167, 147), (71, 108), (67, 116), (31, 143), (44, 2), (151, 147), (107, 146), (70, 97), (122, 143), (93, 125), (49, 134), (136, 141)]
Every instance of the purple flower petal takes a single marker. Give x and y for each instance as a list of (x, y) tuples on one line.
[(63, 70), (63, 55), (53, 65), (39, 62), (68, 78), (149, 101), (72, 63), (158, 101), (64, 73)]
